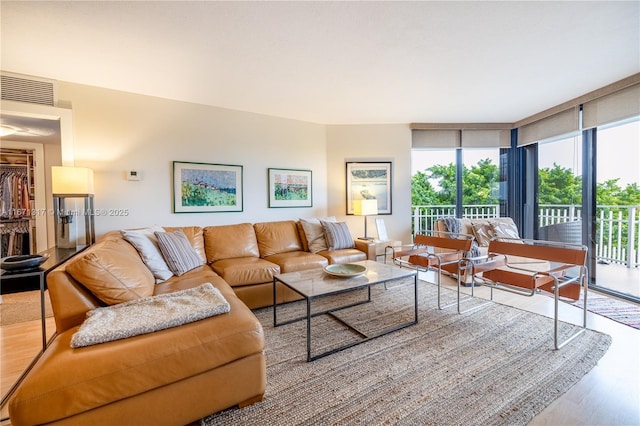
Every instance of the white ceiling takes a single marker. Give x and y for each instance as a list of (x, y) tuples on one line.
[(333, 62)]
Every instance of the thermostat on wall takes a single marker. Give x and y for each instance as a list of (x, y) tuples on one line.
[(133, 175)]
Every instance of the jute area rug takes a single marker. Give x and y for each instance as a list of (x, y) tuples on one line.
[(493, 366), (23, 306)]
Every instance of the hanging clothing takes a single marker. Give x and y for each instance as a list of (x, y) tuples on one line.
[(15, 211), (14, 236), (14, 194)]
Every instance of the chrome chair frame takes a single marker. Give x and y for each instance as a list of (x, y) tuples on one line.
[(554, 278), (426, 246)]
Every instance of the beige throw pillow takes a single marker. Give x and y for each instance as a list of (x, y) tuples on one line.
[(315, 233), (506, 229), (145, 241), (483, 233)]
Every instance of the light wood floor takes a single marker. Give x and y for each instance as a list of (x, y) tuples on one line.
[(608, 395), (19, 345), (619, 278)]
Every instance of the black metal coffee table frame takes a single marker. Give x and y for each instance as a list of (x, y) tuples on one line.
[(356, 285)]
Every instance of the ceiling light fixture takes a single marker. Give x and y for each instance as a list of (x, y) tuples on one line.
[(6, 130)]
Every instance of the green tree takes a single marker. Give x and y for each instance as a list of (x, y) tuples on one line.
[(558, 185), (422, 192), (609, 193), (630, 195), (445, 177), (479, 183)]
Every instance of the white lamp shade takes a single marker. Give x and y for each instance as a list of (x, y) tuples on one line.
[(365, 207), (71, 181)]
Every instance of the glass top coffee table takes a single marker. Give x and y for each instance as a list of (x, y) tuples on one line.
[(314, 284)]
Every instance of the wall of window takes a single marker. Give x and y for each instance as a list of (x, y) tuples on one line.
[(465, 183), (559, 190), (566, 174), (582, 183), (456, 171), (616, 234)]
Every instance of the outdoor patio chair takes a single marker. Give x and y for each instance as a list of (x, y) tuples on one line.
[(565, 232), (525, 267), (437, 251)]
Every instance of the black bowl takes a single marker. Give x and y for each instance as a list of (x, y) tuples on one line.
[(27, 261)]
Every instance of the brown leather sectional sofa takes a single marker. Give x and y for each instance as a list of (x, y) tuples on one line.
[(247, 256), (180, 374)]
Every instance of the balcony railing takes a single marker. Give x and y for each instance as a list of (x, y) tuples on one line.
[(617, 227)]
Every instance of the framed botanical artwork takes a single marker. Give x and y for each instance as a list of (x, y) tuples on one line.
[(205, 188), (290, 188), (369, 180)]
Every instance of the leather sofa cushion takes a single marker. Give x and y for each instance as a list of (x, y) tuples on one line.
[(230, 241), (246, 270), (94, 378), (368, 247), (303, 236), (193, 278), (261, 295), (114, 272), (277, 237), (343, 255), (298, 261)]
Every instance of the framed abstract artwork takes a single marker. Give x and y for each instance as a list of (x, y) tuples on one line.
[(369, 180), (206, 188), (290, 188)]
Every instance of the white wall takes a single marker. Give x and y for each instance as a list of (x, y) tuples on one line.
[(379, 142), (114, 131), (52, 157)]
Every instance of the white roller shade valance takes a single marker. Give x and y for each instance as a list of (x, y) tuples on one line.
[(561, 123), (611, 108), (461, 138), (486, 138), (435, 138)]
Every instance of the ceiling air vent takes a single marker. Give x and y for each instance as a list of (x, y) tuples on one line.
[(34, 91)]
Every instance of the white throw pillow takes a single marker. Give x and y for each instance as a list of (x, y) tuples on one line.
[(145, 241), (314, 232)]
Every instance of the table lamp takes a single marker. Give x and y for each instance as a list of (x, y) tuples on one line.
[(365, 208)]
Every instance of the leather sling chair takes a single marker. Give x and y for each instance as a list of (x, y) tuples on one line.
[(525, 267), (437, 251)]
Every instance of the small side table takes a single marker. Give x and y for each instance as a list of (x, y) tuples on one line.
[(56, 257), (381, 246)]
